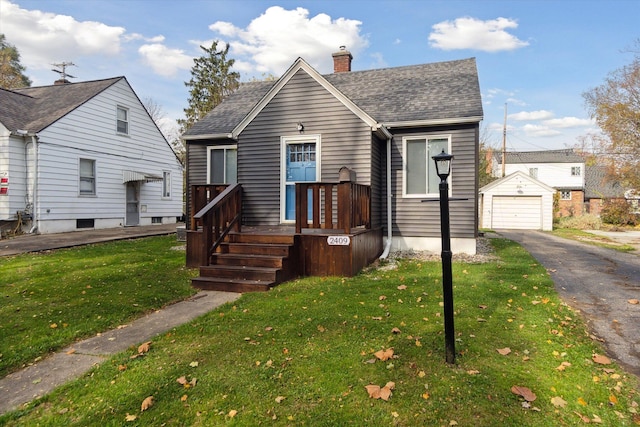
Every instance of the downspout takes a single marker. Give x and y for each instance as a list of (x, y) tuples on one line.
[(387, 248), (34, 191)]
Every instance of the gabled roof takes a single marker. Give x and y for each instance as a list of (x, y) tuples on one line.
[(517, 174), (599, 185), (547, 156), (438, 93), (35, 108)]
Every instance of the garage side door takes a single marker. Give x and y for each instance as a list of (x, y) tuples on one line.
[(516, 212)]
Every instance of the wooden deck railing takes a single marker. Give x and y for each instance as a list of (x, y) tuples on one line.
[(219, 217), (353, 205)]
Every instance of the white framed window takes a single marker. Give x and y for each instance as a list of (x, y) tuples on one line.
[(222, 164), (533, 172), (122, 120), (87, 177), (419, 178), (166, 185), (575, 171), (565, 195)]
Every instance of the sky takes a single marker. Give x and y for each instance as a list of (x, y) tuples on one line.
[(535, 59)]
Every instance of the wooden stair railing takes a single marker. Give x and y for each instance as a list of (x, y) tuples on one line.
[(220, 216)]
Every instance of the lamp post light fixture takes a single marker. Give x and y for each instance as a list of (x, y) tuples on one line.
[(443, 169)]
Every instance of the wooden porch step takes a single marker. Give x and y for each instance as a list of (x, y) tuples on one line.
[(284, 239), (256, 248), (248, 260), (240, 272), (230, 285)]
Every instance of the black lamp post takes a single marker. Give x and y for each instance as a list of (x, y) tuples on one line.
[(443, 169)]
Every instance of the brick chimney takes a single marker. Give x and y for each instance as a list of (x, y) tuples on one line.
[(342, 60)]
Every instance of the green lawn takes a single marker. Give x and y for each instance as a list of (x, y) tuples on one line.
[(52, 299), (303, 353)]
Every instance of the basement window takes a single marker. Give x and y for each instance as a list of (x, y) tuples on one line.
[(156, 220), (85, 223)]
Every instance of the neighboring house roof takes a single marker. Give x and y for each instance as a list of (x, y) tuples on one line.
[(517, 174), (547, 156), (35, 108), (599, 185), (443, 92)]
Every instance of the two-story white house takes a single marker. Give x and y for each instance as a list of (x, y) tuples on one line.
[(84, 155), (563, 170)]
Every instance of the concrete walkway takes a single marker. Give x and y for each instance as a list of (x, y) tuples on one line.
[(72, 362)]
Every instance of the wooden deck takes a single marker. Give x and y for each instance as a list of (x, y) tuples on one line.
[(240, 258)]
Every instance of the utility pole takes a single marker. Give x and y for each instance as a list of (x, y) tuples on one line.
[(504, 139)]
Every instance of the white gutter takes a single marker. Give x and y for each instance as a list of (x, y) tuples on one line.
[(387, 247)]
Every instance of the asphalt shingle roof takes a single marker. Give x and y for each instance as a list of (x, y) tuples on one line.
[(35, 108), (435, 91), (546, 156), (599, 185)]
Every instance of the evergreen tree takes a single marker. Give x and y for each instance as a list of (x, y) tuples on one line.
[(11, 71), (211, 81)]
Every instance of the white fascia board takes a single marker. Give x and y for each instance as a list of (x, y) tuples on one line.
[(208, 136), (301, 64), (421, 123)]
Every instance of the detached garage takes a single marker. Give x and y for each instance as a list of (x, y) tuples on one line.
[(516, 201)]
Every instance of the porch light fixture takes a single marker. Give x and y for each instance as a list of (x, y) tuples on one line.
[(443, 169), (300, 127)]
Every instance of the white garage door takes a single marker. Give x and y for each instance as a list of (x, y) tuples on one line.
[(517, 212)]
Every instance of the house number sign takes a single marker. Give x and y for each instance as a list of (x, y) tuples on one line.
[(339, 240)]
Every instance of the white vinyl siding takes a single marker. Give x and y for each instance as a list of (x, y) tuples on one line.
[(420, 177), (222, 165), (122, 120), (558, 175), (87, 177)]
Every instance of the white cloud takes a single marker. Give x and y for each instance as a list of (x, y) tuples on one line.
[(163, 60), (472, 33), (378, 60), (531, 115), (539, 131), (568, 122), (50, 37), (272, 41)]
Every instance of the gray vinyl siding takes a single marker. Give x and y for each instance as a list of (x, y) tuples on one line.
[(345, 141), (414, 218)]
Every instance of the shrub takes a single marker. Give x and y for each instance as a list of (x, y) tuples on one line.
[(583, 222), (618, 212)]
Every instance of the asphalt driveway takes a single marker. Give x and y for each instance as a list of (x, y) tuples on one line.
[(597, 281)]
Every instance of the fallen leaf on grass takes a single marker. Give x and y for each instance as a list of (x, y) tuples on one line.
[(146, 404), (584, 418), (232, 413), (602, 360), (395, 331), (504, 351), (563, 366), (402, 287), (384, 393), (526, 393), (558, 402), (144, 347), (279, 399), (384, 355), (130, 417)]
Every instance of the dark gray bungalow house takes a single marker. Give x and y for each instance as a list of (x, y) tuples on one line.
[(339, 163)]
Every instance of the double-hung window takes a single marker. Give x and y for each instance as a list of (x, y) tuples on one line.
[(222, 165), (420, 178), (87, 177), (122, 120), (166, 185)]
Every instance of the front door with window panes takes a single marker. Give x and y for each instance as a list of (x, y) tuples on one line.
[(300, 167)]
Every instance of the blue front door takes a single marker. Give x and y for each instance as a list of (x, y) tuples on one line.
[(300, 167)]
